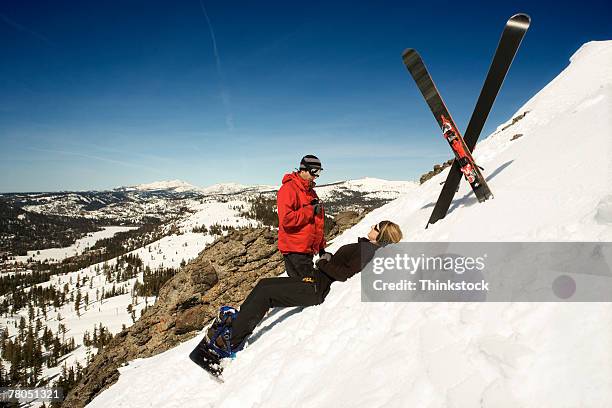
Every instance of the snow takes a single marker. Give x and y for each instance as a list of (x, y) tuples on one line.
[(552, 184), (180, 186), (233, 188), (373, 187), (171, 250), (176, 185)]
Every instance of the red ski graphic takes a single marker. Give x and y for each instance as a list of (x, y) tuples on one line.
[(468, 167)]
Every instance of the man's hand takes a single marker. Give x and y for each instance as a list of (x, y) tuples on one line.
[(317, 206)]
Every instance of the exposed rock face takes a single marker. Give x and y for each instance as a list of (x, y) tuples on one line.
[(514, 120), (224, 273), (436, 170), (343, 221)]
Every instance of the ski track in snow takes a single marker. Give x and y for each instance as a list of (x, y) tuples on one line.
[(353, 354)]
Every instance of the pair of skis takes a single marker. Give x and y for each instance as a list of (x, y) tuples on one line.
[(464, 164)]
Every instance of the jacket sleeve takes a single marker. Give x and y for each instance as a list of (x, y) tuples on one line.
[(339, 270), (323, 244), (288, 215)]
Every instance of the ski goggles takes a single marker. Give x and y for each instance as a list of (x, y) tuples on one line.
[(315, 172)]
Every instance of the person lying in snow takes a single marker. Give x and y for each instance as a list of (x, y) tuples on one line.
[(230, 330)]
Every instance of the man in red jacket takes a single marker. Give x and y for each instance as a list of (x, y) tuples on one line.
[(301, 218)]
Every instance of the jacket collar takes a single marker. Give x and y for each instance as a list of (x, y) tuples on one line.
[(301, 183)]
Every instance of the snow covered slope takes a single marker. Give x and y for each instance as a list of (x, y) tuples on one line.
[(370, 186), (552, 183), (80, 246)]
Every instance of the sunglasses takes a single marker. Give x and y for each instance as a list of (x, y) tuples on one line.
[(315, 172), (379, 226)]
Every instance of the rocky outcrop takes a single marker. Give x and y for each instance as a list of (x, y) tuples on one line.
[(341, 222), (436, 170), (514, 120), (224, 273)]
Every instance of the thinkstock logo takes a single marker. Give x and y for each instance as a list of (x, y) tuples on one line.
[(471, 271)]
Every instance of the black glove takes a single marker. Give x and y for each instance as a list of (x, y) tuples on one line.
[(327, 256), (317, 206)]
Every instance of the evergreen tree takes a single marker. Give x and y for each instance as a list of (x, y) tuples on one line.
[(77, 303)]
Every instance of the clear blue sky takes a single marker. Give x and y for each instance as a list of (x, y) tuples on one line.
[(94, 95)]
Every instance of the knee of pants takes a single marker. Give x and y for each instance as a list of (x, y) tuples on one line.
[(265, 282), (263, 285)]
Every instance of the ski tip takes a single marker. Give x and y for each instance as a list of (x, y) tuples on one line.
[(408, 52), (520, 20)]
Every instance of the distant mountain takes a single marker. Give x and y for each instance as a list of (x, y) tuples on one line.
[(169, 185), (235, 188)]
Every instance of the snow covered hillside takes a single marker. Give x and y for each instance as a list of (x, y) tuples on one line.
[(370, 186), (552, 183), (81, 245)]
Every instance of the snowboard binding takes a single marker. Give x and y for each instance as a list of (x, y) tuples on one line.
[(219, 335)]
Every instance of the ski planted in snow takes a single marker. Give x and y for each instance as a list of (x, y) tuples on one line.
[(509, 43), (463, 156)]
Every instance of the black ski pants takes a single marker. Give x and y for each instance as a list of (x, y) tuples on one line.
[(271, 292), (298, 265)]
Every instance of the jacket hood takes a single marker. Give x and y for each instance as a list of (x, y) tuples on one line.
[(303, 184)]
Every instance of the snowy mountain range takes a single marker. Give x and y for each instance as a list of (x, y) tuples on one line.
[(549, 167), (172, 185), (130, 204)]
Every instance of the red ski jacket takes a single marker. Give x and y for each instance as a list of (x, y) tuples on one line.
[(299, 230)]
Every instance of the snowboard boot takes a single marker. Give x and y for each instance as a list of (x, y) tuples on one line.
[(219, 334)]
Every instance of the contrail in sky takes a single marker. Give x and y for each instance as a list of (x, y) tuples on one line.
[(225, 95), (99, 158), (25, 29)]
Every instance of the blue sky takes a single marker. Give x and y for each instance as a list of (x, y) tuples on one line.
[(94, 95)]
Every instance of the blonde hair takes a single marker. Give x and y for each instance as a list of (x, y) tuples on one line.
[(388, 233)]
